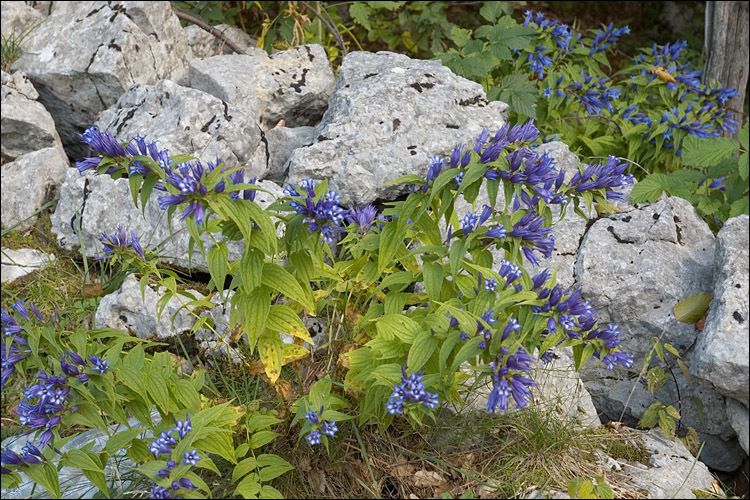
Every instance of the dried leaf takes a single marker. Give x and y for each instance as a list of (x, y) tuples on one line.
[(284, 389), (428, 479), (700, 323)]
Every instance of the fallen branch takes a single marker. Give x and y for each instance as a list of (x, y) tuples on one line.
[(187, 16)]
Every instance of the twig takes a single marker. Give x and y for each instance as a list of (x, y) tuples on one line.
[(186, 16), (330, 27)]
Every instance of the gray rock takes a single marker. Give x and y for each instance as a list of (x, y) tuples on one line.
[(281, 141), (18, 18), (20, 262), (625, 400), (387, 115), (672, 471), (721, 354), (28, 183), (126, 310), (204, 44), (216, 343), (187, 121), (293, 85), (26, 124), (84, 212), (85, 55), (633, 267), (738, 416)]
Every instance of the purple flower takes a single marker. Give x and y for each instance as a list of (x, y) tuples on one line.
[(363, 217), (119, 239)]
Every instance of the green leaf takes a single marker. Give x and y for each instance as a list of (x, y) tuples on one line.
[(692, 308), (250, 486), (468, 350), (157, 388), (46, 476), (218, 258), (649, 189), (707, 152), (432, 273), (278, 278), (251, 268), (360, 14), (273, 467), (187, 395), (256, 309), (739, 207), (390, 241), (491, 11), (269, 492), (421, 350), (398, 325), (460, 36), (122, 439), (242, 468), (81, 460), (743, 166), (281, 319), (260, 438)]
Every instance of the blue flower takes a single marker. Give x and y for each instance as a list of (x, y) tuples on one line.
[(363, 217), (604, 39), (539, 61), (410, 390), (119, 239), (313, 437), (329, 428), (325, 213), (99, 364), (490, 285), (507, 380), (183, 427), (191, 457)]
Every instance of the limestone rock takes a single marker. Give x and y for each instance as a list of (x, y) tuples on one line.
[(18, 18), (187, 121), (738, 416), (387, 115), (26, 124), (281, 142), (633, 267), (670, 464), (20, 262), (29, 182), (126, 310), (721, 354), (293, 85), (85, 55)]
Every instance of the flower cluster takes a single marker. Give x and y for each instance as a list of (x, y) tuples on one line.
[(604, 39), (590, 92), (163, 445), (410, 390), (561, 32), (190, 179), (119, 239), (12, 351), (577, 319), (608, 175), (43, 404), (322, 212), (104, 143), (508, 380), (530, 229), (320, 426)]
